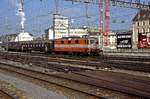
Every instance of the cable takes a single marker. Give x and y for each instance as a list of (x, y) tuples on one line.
[(28, 2)]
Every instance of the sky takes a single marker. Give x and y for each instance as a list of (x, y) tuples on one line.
[(39, 16)]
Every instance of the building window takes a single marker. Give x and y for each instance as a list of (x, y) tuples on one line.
[(62, 42), (143, 30), (148, 29), (69, 42), (76, 41), (138, 24), (138, 31), (143, 23)]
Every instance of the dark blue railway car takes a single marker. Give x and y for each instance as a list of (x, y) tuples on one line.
[(43, 46)]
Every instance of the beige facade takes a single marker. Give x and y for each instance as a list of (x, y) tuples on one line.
[(141, 24), (63, 29), (78, 32), (111, 40), (61, 26)]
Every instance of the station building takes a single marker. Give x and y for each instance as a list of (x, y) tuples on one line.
[(112, 39), (7, 37), (16, 37), (141, 25), (61, 28)]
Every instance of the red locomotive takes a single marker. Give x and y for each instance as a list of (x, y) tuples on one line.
[(77, 45)]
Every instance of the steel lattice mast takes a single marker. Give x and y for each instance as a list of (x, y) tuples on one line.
[(106, 20), (104, 28), (22, 11)]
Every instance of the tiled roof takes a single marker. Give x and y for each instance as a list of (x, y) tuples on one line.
[(142, 15)]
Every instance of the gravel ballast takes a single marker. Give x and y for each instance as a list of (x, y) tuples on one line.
[(34, 91)]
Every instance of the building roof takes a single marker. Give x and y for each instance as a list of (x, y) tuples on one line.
[(10, 37), (142, 15)]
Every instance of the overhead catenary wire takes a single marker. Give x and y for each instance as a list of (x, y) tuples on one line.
[(40, 16)]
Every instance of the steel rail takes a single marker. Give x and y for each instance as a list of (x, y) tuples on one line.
[(129, 88), (106, 62), (11, 67), (6, 95), (96, 82)]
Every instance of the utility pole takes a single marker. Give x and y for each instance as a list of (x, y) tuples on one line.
[(54, 18), (104, 10), (7, 43), (21, 10), (6, 22), (101, 23), (54, 15), (57, 7), (87, 16), (22, 5)]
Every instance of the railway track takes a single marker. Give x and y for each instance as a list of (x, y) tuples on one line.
[(5, 95), (42, 77), (126, 86), (123, 86), (9, 91), (103, 63), (91, 62), (90, 58), (79, 65)]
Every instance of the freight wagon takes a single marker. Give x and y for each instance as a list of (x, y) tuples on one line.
[(43, 46)]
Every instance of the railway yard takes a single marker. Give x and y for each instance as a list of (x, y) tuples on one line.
[(74, 77), (75, 49)]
